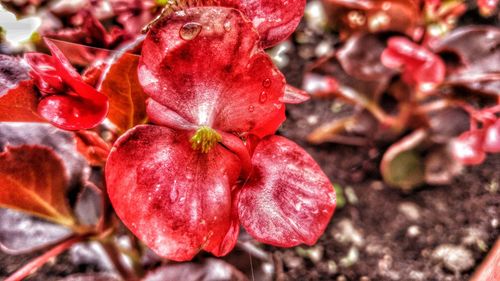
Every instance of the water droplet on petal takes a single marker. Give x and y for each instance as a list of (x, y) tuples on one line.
[(251, 108), (173, 195), (266, 83), (263, 97), (190, 30), (227, 26)]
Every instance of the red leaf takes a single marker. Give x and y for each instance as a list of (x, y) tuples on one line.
[(359, 63), (19, 104), (236, 91), (419, 65), (288, 200), (477, 50), (18, 99), (127, 100), (92, 147), (274, 20), (44, 134), (33, 181), (468, 148), (175, 199)]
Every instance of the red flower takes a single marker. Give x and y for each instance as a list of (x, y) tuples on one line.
[(275, 20), (188, 182), (66, 101), (419, 65)]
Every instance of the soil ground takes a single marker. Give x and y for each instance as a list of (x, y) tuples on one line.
[(381, 233)]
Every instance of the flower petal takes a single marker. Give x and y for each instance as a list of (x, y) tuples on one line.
[(288, 200), (225, 246), (73, 78), (44, 72), (172, 197), (275, 20), (71, 113), (204, 64), (420, 65)]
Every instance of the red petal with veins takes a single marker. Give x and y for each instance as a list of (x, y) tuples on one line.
[(175, 199), (288, 200), (67, 102), (227, 244), (294, 95), (70, 112), (274, 19), (204, 64), (419, 64)]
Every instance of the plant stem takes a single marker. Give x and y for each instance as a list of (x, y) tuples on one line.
[(254, 251), (115, 258), (489, 268), (36, 263)]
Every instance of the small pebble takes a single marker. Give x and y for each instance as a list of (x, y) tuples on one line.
[(315, 254), (351, 258), (345, 233), (332, 267), (341, 278), (351, 196), (377, 185), (494, 223), (323, 48), (492, 187), (293, 261), (416, 275), (474, 237), (315, 16), (413, 231), (268, 268), (454, 258), (410, 210), (312, 120)]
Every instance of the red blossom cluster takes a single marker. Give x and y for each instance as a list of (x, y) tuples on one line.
[(211, 162), (208, 160)]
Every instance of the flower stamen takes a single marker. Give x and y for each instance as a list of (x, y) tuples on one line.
[(205, 139)]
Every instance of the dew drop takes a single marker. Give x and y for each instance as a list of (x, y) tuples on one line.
[(263, 97), (190, 30), (173, 195), (251, 108), (227, 26), (266, 83)]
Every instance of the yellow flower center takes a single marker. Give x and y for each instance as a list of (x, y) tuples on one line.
[(205, 139)]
